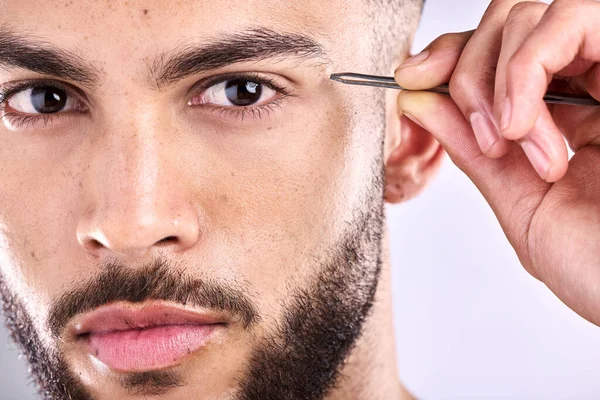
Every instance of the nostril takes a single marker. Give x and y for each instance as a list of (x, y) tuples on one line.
[(92, 246), (167, 240), (95, 244)]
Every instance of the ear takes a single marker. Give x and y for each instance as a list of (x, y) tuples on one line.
[(412, 155)]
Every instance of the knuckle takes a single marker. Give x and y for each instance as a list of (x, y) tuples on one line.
[(526, 13), (520, 61), (525, 8), (571, 9), (460, 84), (451, 40), (502, 7), (470, 89), (564, 5)]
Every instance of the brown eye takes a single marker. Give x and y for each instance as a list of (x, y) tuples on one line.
[(41, 100), (236, 93), (243, 93), (47, 99)]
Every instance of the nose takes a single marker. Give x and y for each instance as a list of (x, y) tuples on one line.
[(137, 200), (132, 235)]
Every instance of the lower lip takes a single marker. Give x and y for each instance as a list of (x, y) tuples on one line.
[(149, 348)]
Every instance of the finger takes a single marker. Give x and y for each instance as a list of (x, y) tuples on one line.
[(520, 23), (509, 184), (581, 123), (434, 65), (567, 29), (546, 149), (543, 144), (472, 83), (592, 81)]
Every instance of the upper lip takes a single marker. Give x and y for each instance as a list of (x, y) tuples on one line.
[(125, 316)]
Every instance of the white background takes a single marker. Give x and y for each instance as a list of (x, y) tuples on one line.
[(470, 322)]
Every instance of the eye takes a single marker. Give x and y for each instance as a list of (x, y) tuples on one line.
[(236, 93), (41, 100)]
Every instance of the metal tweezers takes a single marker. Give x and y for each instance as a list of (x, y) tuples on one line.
[(351, 78)]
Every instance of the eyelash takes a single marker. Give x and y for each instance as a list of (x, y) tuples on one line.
[(260, 111), (256, 111), (240, 112), (22, 120)]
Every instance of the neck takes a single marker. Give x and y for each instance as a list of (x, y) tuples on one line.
[(370, 371)]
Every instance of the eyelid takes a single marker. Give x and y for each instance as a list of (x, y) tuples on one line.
[(206, 83), (11, 88), (7, 90)]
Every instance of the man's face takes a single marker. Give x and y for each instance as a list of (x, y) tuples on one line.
[(192, 156)]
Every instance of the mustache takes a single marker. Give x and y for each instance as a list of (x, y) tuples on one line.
[(157, 280)]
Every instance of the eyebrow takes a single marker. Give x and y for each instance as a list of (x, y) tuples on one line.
[(22, 51), (257, 44), (251, 45)]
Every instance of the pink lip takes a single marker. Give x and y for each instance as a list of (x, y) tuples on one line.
[(144, 337)]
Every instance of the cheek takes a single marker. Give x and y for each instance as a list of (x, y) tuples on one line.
[(24, 281), (38, 245), (277, 198)]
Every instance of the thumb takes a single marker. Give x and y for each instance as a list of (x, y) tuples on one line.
[(435, 64), (509, 184)]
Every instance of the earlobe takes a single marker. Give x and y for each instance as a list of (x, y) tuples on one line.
[(412, 163)]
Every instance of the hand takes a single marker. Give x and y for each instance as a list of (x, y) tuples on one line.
[(497, 129)]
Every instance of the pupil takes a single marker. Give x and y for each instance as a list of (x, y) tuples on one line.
[(48, 99), (242, 92)]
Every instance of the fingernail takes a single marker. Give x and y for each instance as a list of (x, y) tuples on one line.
[(537, 157), (506, 114), (414, 60), (485, 131)]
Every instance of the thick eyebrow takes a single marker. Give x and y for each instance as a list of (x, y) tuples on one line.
[(24, 51), (256, 44)]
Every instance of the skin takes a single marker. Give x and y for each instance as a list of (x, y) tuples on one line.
[(250, 204), (83, 191)]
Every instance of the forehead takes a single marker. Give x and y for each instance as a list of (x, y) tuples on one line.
[(118, 28)]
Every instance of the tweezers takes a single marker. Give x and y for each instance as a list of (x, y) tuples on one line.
[(351, 78)]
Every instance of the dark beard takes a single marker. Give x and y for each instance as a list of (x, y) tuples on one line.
[(322, 325), (301, 360)]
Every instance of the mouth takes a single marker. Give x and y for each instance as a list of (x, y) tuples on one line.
[(145, 337)]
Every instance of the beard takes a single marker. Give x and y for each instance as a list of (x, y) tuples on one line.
[(301, 359)]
